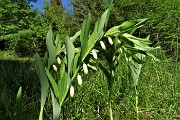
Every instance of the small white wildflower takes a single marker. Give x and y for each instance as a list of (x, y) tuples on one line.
[(110, 40), (59, 60), (79, 80), (85, 68), (71, 91), (102, 45), (94, 54), (55, 68)]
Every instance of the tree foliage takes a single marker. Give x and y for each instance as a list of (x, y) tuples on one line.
[(20, 26), (81, 8), (54, 15), (163, 18), (23, 29)]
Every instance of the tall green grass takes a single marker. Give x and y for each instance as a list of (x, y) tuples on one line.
[(159, 92), (158, 88), (16, 72)]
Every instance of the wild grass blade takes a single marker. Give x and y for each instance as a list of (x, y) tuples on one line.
[(19, 105)]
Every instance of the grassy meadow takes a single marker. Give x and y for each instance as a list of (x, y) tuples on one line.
[(158, 91), (111, 45)]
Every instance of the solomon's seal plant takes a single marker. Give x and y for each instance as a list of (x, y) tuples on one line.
[(76, 59), (123, 43), (72, 62)]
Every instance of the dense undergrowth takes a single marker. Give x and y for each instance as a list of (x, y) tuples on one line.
[(158, 89)]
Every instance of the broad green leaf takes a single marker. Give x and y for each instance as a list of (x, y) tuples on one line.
[(74, 38), (64, 83), (131, 37), (19, 104), (56, 107), (136, 68), (45, 59), (85, 30), (135, 71), (114, 31), (86, 48), (57, 39), (70, 56), (85, 33), (5, 101), (76, 58), (53, 83), (51, 48), (126, 27), (131, 26), (63, 88), (136, 59), (97, 34), (116, 43), (58, 43), (103, 22), (40, 69), (139, 43)]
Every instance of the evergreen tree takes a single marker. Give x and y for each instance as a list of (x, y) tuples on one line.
[(54, 15), (20, 26), (81, 8)]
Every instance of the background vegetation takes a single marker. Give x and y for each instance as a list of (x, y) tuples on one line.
[(22, 34)]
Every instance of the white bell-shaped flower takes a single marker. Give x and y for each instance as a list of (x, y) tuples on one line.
[(102, 45), (110, 40), (58, 60), (85, 68), (71, 91), (79, 79), (94, 54), (55, 68)]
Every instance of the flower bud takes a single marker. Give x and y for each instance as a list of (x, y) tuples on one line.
[(85, 68), (55, 68), (79, 80), (102, 45), (65, 53), (110, 41), (71, 91), (94, 54), (59, 60)]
